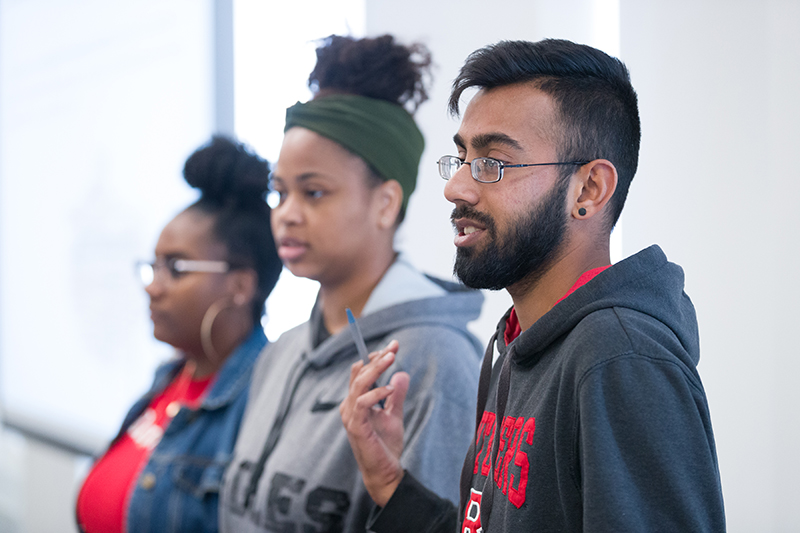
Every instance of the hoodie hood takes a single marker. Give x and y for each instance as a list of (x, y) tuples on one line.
[(455, 308), (645, 282)]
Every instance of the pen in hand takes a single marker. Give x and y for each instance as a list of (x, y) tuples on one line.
[(358, 338)]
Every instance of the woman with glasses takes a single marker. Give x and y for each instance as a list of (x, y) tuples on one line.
[(341, 185), (215, 264)]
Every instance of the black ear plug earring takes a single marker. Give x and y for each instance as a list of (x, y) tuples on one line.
[(582, 211)]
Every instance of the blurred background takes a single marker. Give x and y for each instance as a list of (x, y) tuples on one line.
[(101, 103)]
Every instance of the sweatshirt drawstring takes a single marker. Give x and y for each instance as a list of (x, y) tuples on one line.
[(465, 482), (502, 400), (274, 433), (467, 471)]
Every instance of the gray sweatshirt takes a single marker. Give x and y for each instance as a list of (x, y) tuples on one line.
[(293, 470)]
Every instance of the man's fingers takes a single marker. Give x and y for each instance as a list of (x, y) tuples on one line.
[(391, 347), (363, 377), (399, 383), (355, 368), (369, 374), (370, 399), (375, 435)]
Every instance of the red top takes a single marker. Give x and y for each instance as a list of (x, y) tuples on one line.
[(103, 500), (512, 322)]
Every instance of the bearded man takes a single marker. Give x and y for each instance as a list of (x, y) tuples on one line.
[(591, 413)]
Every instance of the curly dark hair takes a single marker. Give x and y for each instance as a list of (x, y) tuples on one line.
[(377, 67), (233, 183)]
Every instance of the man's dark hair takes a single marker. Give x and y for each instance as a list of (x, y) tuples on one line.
[(594, 97), (233, 183)]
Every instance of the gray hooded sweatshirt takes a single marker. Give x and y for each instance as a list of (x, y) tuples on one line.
[(293, 470)]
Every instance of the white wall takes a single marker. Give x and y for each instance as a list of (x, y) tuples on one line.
[(718, 83)]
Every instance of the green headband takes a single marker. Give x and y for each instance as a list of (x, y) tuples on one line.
[(379, 132)]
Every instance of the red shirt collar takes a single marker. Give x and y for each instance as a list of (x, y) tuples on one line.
[(513, 328)]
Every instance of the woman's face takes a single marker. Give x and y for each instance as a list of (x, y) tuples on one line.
[(328, 216), (178, 303)]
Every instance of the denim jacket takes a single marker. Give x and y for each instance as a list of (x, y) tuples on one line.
[(178, 489)]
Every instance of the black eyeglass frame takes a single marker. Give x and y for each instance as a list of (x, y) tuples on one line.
[(500, 166)]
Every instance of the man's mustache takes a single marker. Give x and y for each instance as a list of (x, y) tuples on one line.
[(465, 211)]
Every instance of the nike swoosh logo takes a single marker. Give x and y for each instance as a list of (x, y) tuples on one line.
[(323, 406)]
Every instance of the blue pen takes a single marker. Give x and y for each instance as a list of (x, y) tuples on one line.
[(358, 338)]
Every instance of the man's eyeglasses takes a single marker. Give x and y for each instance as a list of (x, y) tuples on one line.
[(176, 267), (486, 169)]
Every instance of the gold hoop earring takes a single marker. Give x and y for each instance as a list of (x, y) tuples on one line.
[(211, 315)]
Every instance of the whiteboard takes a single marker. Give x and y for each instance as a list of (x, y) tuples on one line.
[(100, 104)]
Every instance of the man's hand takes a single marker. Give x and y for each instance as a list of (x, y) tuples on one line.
[(375, 434)]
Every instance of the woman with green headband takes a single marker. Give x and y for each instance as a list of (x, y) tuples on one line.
[(346, 169)]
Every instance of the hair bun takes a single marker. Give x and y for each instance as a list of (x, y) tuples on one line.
[(225, 170), (376, 67)]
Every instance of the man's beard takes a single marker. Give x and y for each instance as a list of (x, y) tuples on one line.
[(523, 253)]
